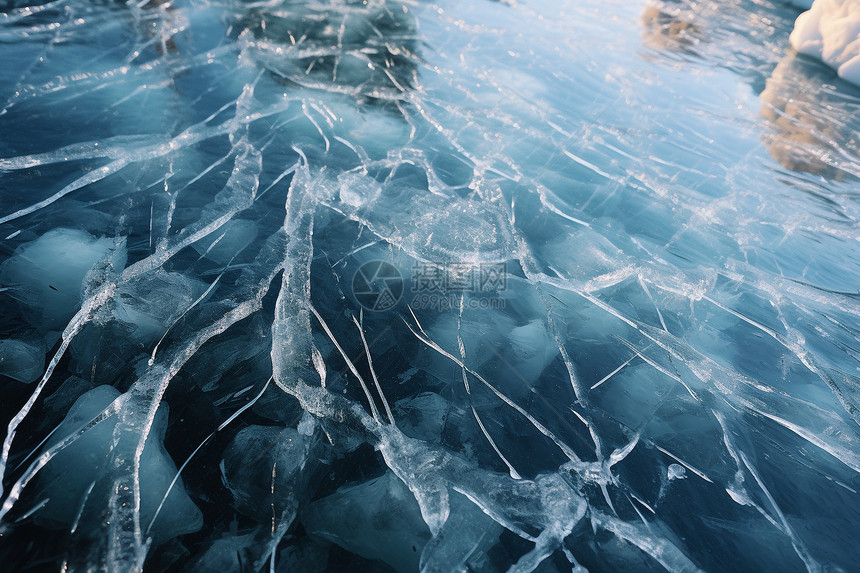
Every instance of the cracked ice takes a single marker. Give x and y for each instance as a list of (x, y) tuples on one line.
[(396, 285)]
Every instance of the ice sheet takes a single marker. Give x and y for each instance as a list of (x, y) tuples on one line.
[(486, 286)]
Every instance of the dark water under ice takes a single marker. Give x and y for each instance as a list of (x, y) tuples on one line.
[(477, 286)]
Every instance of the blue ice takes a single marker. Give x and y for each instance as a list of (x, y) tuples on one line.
[(389, 285)]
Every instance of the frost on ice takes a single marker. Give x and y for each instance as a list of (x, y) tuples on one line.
[(617, 327)]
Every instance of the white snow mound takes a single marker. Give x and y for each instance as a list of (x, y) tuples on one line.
[(830, 31)]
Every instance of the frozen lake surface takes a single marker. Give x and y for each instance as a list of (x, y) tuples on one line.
[(399, 286)]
